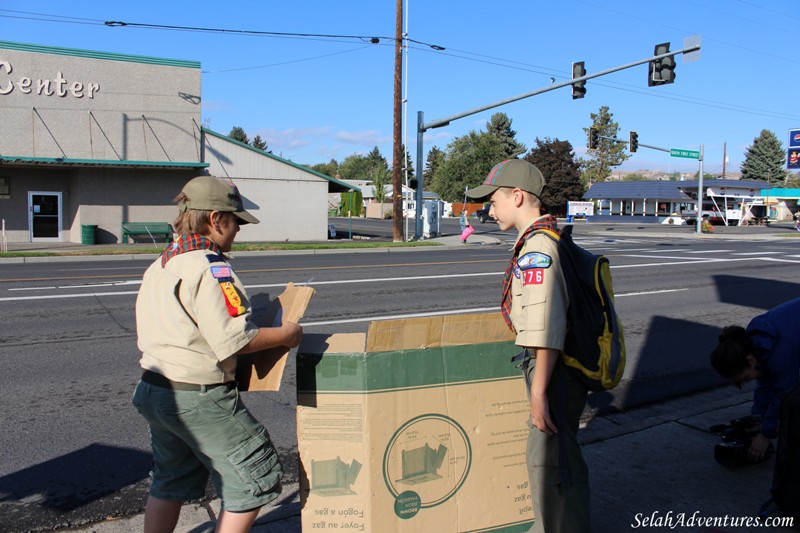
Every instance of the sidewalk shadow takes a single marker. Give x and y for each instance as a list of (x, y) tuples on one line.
[(754, 292), (44, 494), (672, 361)]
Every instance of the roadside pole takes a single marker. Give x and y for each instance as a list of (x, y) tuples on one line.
[(699, 209)]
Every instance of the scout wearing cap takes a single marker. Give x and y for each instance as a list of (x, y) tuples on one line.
[(209, 193), (513, 173)]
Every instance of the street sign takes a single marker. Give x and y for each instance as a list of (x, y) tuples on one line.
[(688, 154)]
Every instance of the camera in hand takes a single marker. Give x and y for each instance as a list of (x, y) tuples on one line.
[(736, 438)]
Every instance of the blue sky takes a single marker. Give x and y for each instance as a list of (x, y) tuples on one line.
[(317, 98)]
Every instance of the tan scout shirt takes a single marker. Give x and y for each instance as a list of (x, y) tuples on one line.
[(185, 330), (539, 294)]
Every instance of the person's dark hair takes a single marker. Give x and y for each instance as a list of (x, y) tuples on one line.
[(729, 358)]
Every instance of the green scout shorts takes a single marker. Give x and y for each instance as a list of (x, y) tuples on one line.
[(195, 434)]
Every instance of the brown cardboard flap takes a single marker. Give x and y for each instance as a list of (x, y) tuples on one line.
[(317, 343), (432, 332), (263, 371)]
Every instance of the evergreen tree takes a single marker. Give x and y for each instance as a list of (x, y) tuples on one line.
[(409, 164), (435, 158), (379, 172), (238, 134), (765, 160), (259, 143), (499, 125), (556, 160), (609, 154)]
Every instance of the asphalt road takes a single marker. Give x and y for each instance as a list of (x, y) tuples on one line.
[(75, 451)]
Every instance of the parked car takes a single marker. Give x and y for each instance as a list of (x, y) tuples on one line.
[(483, 215)]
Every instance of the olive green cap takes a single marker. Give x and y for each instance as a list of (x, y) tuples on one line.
[(209, 193)]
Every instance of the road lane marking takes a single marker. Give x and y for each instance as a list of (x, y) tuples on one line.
[(642, 293), (757, 253), (374, 280), (709, 251)]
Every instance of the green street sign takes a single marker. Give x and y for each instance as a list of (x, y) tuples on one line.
[(688, 154)]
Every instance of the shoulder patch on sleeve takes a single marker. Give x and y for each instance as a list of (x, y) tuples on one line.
[(215, 258), (222, 272), (534, 260)]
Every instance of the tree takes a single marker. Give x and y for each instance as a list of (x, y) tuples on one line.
[(409, 163), (238, 134), (435, 158), (499, 125), (675, 176), (331, 168), (562, 174), (467, 161), (793, 180), (379, 172), (609, 154), (372, 167), (765, 160), (259, 143)]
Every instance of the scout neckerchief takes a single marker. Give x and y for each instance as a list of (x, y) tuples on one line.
[(547, 222), (188, 243), (222, 273)]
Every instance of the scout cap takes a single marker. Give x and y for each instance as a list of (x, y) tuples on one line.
[(510, 173), (209, 193)]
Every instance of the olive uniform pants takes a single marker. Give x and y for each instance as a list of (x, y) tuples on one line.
[(559, 490)]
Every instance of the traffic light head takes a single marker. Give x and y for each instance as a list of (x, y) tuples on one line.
[(594, 138), (661, 71), (633, 144), (579, 88), (413, 184)]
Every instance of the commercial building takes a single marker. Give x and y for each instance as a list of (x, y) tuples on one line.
[(95, 140), (724, 201)]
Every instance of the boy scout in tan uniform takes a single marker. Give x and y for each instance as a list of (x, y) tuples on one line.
[(193, 318), (535, 305)]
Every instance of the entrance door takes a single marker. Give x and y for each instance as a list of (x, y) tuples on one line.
[(44, 216)]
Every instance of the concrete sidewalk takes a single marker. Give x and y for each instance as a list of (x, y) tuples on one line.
[(652, 468)]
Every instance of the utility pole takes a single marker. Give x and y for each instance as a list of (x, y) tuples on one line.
[(398, 159), (724, 158)]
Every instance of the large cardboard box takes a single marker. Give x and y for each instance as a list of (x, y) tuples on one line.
[(419, 425)]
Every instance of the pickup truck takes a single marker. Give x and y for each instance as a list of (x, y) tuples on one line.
[(483, 215)]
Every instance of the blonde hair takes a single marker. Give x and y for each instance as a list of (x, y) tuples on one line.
[(195, 220), (532, 200)]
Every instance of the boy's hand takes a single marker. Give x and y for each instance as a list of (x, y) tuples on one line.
[(758, 447), (540, 415), (293, 333)]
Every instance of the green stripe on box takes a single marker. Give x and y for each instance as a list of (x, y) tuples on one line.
[(405, 369)]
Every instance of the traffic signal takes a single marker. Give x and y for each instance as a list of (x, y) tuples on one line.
[(578, 89), (633, 143), (594, 138), (661, 71), (413, 184)]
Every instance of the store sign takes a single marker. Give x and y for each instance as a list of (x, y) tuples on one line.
[(58, 86), (794, 138), (793, 158)]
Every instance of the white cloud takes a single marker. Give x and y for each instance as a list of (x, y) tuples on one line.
[(363, 138)]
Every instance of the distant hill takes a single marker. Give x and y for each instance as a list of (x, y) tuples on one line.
[(619, 175)]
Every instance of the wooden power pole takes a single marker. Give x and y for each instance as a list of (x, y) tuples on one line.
[(398, 159)]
